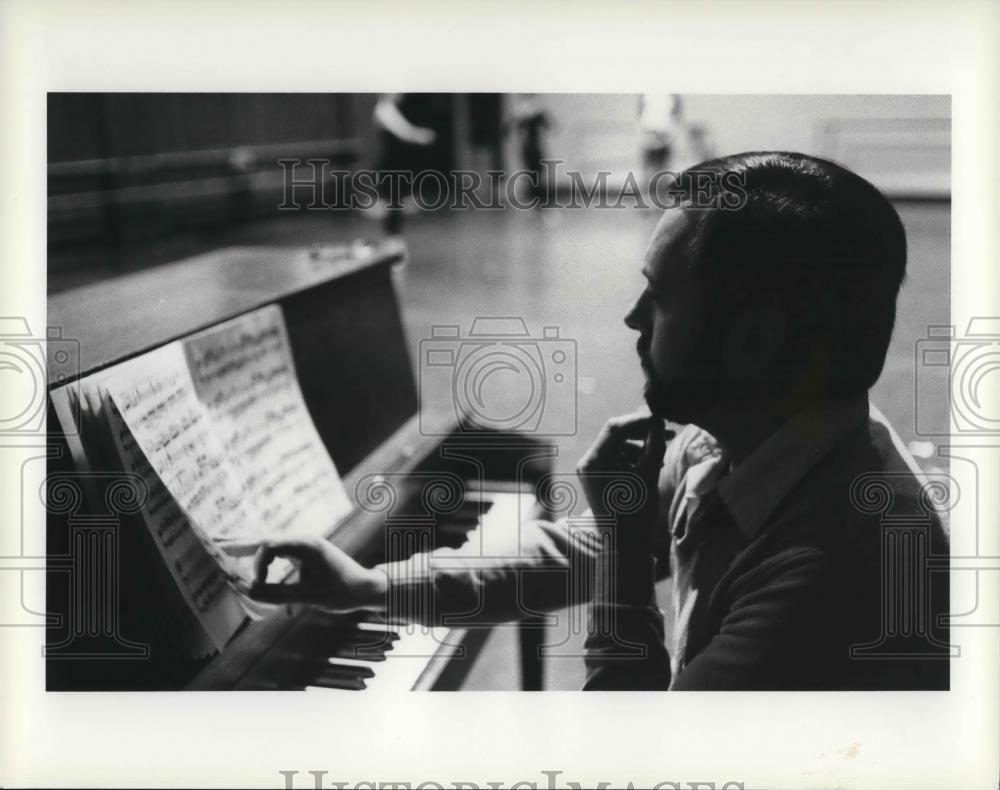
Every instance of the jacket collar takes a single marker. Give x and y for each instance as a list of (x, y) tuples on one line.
[(754, 488)]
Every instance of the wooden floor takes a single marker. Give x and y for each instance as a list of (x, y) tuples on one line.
[(577, 270)]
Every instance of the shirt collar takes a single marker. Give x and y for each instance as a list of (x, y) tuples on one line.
[(755, 487)]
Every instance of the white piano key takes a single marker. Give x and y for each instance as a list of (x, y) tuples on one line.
[(378, 628), (406, 661)]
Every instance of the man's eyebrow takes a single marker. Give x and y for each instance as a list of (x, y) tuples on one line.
[(651, 278)]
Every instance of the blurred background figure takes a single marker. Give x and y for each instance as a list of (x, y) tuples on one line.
[(701, 143), (529, 121), (660, 127), (410, 128)]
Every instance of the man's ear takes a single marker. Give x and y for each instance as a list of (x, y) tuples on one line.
[(755, 341)]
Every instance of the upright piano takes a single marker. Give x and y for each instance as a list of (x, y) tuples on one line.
[(354, 367)]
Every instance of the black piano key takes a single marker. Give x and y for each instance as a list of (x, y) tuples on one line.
[(338, 679), (331, 672), (351, 651), (362, 672), (371, 644), (348, 684), (350, 639), (347, 626), (308, 672)]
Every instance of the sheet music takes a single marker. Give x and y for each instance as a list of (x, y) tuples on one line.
[(217, 427), (156, 400), (198, 572), (244, 375), (164, 440), (187, 564), (222, 421)]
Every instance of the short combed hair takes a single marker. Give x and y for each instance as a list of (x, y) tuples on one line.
[(811, 236)]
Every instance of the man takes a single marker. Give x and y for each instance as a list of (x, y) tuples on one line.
[(768, 310)]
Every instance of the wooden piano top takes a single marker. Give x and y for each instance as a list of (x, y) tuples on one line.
[(115, 319)]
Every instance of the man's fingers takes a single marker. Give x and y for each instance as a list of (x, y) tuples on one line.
[(656, 445), (632, 449), (265, 554), (615, 432), (633, 441), (630, 426), (296, 549), (286, 593)]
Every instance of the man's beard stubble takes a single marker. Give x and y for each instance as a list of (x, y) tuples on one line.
[(679, 401)]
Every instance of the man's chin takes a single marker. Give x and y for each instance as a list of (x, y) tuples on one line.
[(660, 404), (670, 404)]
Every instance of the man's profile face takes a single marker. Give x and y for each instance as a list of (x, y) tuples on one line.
[(670, 318)]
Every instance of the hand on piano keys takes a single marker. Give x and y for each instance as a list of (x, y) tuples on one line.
[(363, 652), (346, 639), (328, 577)]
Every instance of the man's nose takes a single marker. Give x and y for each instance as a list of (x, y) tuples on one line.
[(634, 318)]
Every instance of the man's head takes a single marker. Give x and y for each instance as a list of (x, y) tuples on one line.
[(777, 278)]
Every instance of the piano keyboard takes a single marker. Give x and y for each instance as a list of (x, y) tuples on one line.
[(327, 653)]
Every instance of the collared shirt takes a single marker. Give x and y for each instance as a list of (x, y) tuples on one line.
[(701, 548), (749, 493), (452, 584)]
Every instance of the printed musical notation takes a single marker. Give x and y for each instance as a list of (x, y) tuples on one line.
[(199, 569), (159, 406), (218, 423), (244, 375)]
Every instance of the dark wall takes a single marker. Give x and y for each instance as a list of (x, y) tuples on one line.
[(89, 125), (140, 179), (126, 167)]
